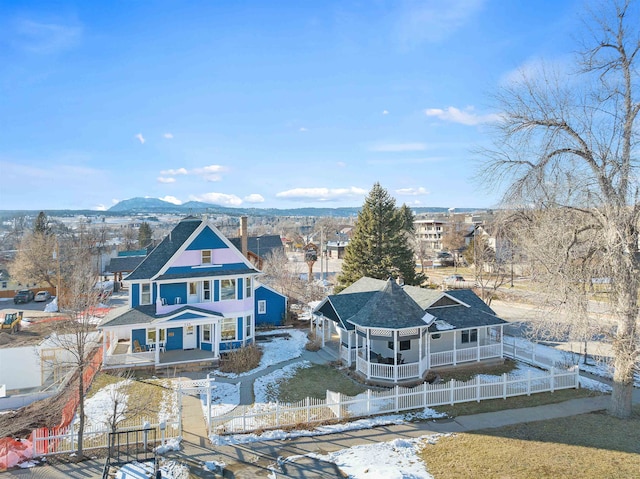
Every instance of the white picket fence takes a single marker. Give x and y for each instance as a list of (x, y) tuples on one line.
[(64, 440), (337, 406)]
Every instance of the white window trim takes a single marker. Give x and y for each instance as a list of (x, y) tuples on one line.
[(248, 327), (262, 306), (210, 340), (235, 290), (210, 257), (142, 293), (248, 287), (235, 329)]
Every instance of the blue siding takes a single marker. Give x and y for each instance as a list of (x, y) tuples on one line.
[(135, 295), (229, 345), (240, 288), (216, 290), (172, 291), (276, 307), (174, 339), (154, 293), (140, 335), (206, 347), (240, 329), (207, 239)]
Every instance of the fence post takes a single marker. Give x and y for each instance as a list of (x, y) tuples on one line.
[(308, 410), (577, 376), (368, 402), (478, 388), (529, 382), (395, 390), (339, 406), (504, 385), (277, 413), (73, 436), (451, 391), (553, 376), (424, 394)]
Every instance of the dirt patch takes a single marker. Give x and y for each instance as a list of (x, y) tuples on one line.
[(31, 332)]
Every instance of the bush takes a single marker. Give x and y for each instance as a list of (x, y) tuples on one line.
[(314, 343), (241, 360)]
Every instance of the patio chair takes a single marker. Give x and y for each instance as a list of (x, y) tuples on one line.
[(136, 347)]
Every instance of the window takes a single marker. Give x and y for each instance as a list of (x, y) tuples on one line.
[(206, 333), (206, 257), (247, 327), (470, 336), (436, 336), (262, 307), (228, 329), (193, 289), (402, 345), (145, 293), (151, 335), (247, 288), (206, 290), (227, 289), (4, 285)]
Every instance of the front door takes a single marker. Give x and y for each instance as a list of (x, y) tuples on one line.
[(192, 297), (189, 337)]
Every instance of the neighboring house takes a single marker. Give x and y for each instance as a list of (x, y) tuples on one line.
[(191, 298), (393, 333), (271, 306), (125, 263), (430, 232), (260, 247)]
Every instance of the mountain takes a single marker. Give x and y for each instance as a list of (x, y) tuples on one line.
[(155, 205)]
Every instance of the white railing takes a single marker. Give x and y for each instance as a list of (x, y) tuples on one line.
[(464, 355), (339, 407), (130, 359), (65, 440), (525, 351)]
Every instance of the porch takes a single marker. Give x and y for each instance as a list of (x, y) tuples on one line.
[(122, 355)]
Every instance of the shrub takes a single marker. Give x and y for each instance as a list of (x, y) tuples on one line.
[(241, 360), (314, 343)]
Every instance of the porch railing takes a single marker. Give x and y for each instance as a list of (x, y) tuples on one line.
[(130, 359), (465, 355), (389, 372)]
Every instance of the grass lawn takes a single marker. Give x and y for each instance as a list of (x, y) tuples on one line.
[(315, 381), (587, 446)]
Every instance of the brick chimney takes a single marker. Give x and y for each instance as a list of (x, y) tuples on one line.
[(244, 238)]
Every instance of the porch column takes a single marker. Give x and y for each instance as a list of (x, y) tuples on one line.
[(478, 342), (455, 353), (323, 329), (501, 341), (368, 356), (349, 346), (157, 348), (421, 354), (244, 331), (217, 337), (394, 336)]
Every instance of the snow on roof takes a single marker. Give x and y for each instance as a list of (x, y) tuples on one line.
[(442, 325)]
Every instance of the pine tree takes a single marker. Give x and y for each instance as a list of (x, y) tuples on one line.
[(144, 235), (380, 244), (41, 225)]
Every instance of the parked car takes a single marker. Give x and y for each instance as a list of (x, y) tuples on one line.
[(23, 296), (42, 296), (454, 278)]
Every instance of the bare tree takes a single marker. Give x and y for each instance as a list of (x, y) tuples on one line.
[(283, 275), (76, 335), (36, 260), (569, 143)]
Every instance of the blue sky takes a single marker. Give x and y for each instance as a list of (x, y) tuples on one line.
[(259, 103)]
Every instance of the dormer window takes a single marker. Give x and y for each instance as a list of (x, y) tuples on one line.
[(206, 256)]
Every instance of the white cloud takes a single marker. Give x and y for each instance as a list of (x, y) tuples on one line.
[(218, 199), (164, 179), (399, 147), (385, 112), (179, 171), (434, 20), (171, 199), (209, 173), (45, 38), (322, 194), (412, 191), (254, 198), (168, 136), (302, 128), (140, 138), (464, 117), (100, 208)]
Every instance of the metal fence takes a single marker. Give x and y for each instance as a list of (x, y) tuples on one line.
[(337, 406), (65, 439)]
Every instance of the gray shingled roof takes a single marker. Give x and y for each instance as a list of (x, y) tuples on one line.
[(462, 317), (266, 245), (166, 249), (146, 315), (122, 264)]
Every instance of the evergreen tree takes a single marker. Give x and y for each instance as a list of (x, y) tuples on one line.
[(144, 235), (41, 225), (380, 245)]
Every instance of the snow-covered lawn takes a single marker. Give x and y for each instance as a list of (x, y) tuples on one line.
[(224, 399), (397, 459), (276, 351)]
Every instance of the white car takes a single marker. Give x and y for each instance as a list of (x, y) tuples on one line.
[(42, 296)]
